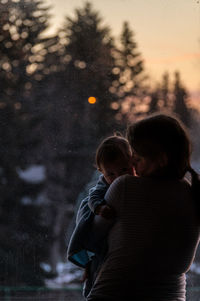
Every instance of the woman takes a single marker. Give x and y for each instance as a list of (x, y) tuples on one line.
[(154, 239)]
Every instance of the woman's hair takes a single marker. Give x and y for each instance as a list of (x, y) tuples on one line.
[(112, 148), (161, 133)]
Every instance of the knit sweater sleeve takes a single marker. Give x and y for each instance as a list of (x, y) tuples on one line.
[(114, 198), (116, 193)]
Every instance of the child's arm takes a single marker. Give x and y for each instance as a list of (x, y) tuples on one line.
[(96, 200), (97, 193), (81, 242)]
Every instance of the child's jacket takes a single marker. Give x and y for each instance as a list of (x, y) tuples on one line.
[(86, 246)]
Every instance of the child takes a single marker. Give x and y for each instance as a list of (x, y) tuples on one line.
[(87, 249), (113, 159)]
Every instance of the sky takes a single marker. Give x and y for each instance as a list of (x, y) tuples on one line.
[(167, 32)]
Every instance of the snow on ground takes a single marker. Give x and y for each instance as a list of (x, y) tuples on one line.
[(68, 274), (195, 268), (196, 165), (33, 174)]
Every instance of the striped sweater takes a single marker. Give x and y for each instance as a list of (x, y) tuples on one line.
[(152, 243)]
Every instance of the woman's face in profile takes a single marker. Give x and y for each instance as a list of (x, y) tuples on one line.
[(143, 166)]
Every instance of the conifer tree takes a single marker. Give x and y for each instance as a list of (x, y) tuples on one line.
[(20, 50), (165, 91), (130, 86), (77, 122), (89, 71), (129, 65), (171, 98), (160, 96), (154, 101), (23, 243), (181, 101)]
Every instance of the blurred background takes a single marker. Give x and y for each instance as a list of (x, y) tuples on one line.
[(72, 73)]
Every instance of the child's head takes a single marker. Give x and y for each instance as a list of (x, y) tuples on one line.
[(160, 145), (113, 158)]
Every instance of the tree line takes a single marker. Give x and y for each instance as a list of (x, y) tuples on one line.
[(48, 119)]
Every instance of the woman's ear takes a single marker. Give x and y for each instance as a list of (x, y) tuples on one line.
[(163, 160)]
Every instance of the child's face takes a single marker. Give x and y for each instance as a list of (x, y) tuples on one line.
[(117, 168)]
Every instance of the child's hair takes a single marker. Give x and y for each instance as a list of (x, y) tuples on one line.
[(111, 149), (161, 133)]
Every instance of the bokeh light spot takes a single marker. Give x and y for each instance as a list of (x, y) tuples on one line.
[(92, 100)]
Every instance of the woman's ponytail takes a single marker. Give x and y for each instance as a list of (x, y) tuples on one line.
[(195, 185)]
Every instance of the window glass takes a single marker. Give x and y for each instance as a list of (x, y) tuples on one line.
[(72, 73)]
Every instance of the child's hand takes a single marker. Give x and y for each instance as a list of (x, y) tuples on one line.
[(105, 211)]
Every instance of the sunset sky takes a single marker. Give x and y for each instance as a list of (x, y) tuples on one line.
[(167, 32)]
